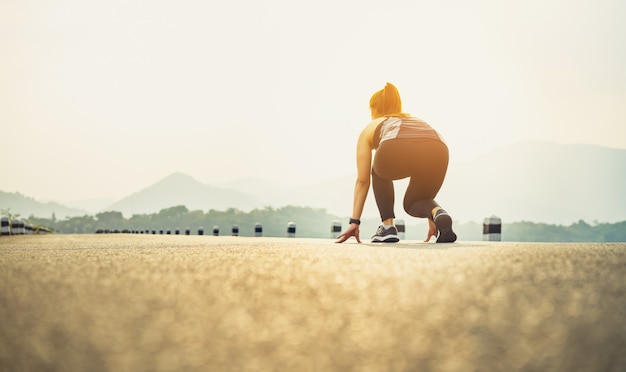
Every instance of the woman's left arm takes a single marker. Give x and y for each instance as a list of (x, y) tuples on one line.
[(362, 184)]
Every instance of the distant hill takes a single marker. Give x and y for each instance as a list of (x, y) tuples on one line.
[(26, 206), (181, 189), (334, 195), (92, 206), (529, 181), (541, 182)]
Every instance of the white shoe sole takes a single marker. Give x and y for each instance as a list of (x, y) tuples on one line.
[(386, 239)]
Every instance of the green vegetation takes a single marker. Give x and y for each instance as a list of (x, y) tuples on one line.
[(577, 232), (542, 232), (311, 223)]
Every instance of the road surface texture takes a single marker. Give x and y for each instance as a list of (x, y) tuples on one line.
[(204, 303)]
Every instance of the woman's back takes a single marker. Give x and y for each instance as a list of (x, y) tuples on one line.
[(404, 127)]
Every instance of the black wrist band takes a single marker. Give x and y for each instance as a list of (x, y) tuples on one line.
[(354, 220)]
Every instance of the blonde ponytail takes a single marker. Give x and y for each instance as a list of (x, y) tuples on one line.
[(387, 102)]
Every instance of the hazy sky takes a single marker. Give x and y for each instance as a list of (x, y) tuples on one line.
[(104, 98)]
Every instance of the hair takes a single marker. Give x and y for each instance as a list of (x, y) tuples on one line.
[(387, 102)]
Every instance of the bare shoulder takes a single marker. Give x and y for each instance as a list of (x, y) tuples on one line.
[(366, 138), (370, 128)]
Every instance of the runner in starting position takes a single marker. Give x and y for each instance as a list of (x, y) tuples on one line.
[(405, 147)]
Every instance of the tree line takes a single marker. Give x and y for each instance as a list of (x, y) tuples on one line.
[(526, 231), (312, 223)]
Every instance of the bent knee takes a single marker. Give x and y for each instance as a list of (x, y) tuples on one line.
[(419, 208)]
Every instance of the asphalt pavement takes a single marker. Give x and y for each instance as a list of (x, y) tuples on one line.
[(204, 303)]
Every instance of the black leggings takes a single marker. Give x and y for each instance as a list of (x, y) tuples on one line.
[(425, 161)]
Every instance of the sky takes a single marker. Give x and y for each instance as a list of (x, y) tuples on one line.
[(100, 99)]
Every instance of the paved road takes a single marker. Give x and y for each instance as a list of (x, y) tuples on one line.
[(193, 303)]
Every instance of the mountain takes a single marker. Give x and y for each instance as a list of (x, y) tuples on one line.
[(92, 206), (334, 195), (252, 186), (529, 181), (540, 182), (181, 189), (26, 206)]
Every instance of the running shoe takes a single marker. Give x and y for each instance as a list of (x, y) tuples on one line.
[(443, 221), (383, 235)]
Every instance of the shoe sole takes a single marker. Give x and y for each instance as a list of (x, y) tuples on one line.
[(444, 225), (386, 239)]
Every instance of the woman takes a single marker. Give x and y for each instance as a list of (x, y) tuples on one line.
[(405, 147)]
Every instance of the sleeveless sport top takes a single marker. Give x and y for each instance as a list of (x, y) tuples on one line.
[(393, 127)]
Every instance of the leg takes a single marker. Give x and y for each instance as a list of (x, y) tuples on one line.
[(420, 208), (419, 200), (384, 195), (388, 165), (427, 175), (383, 174)]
